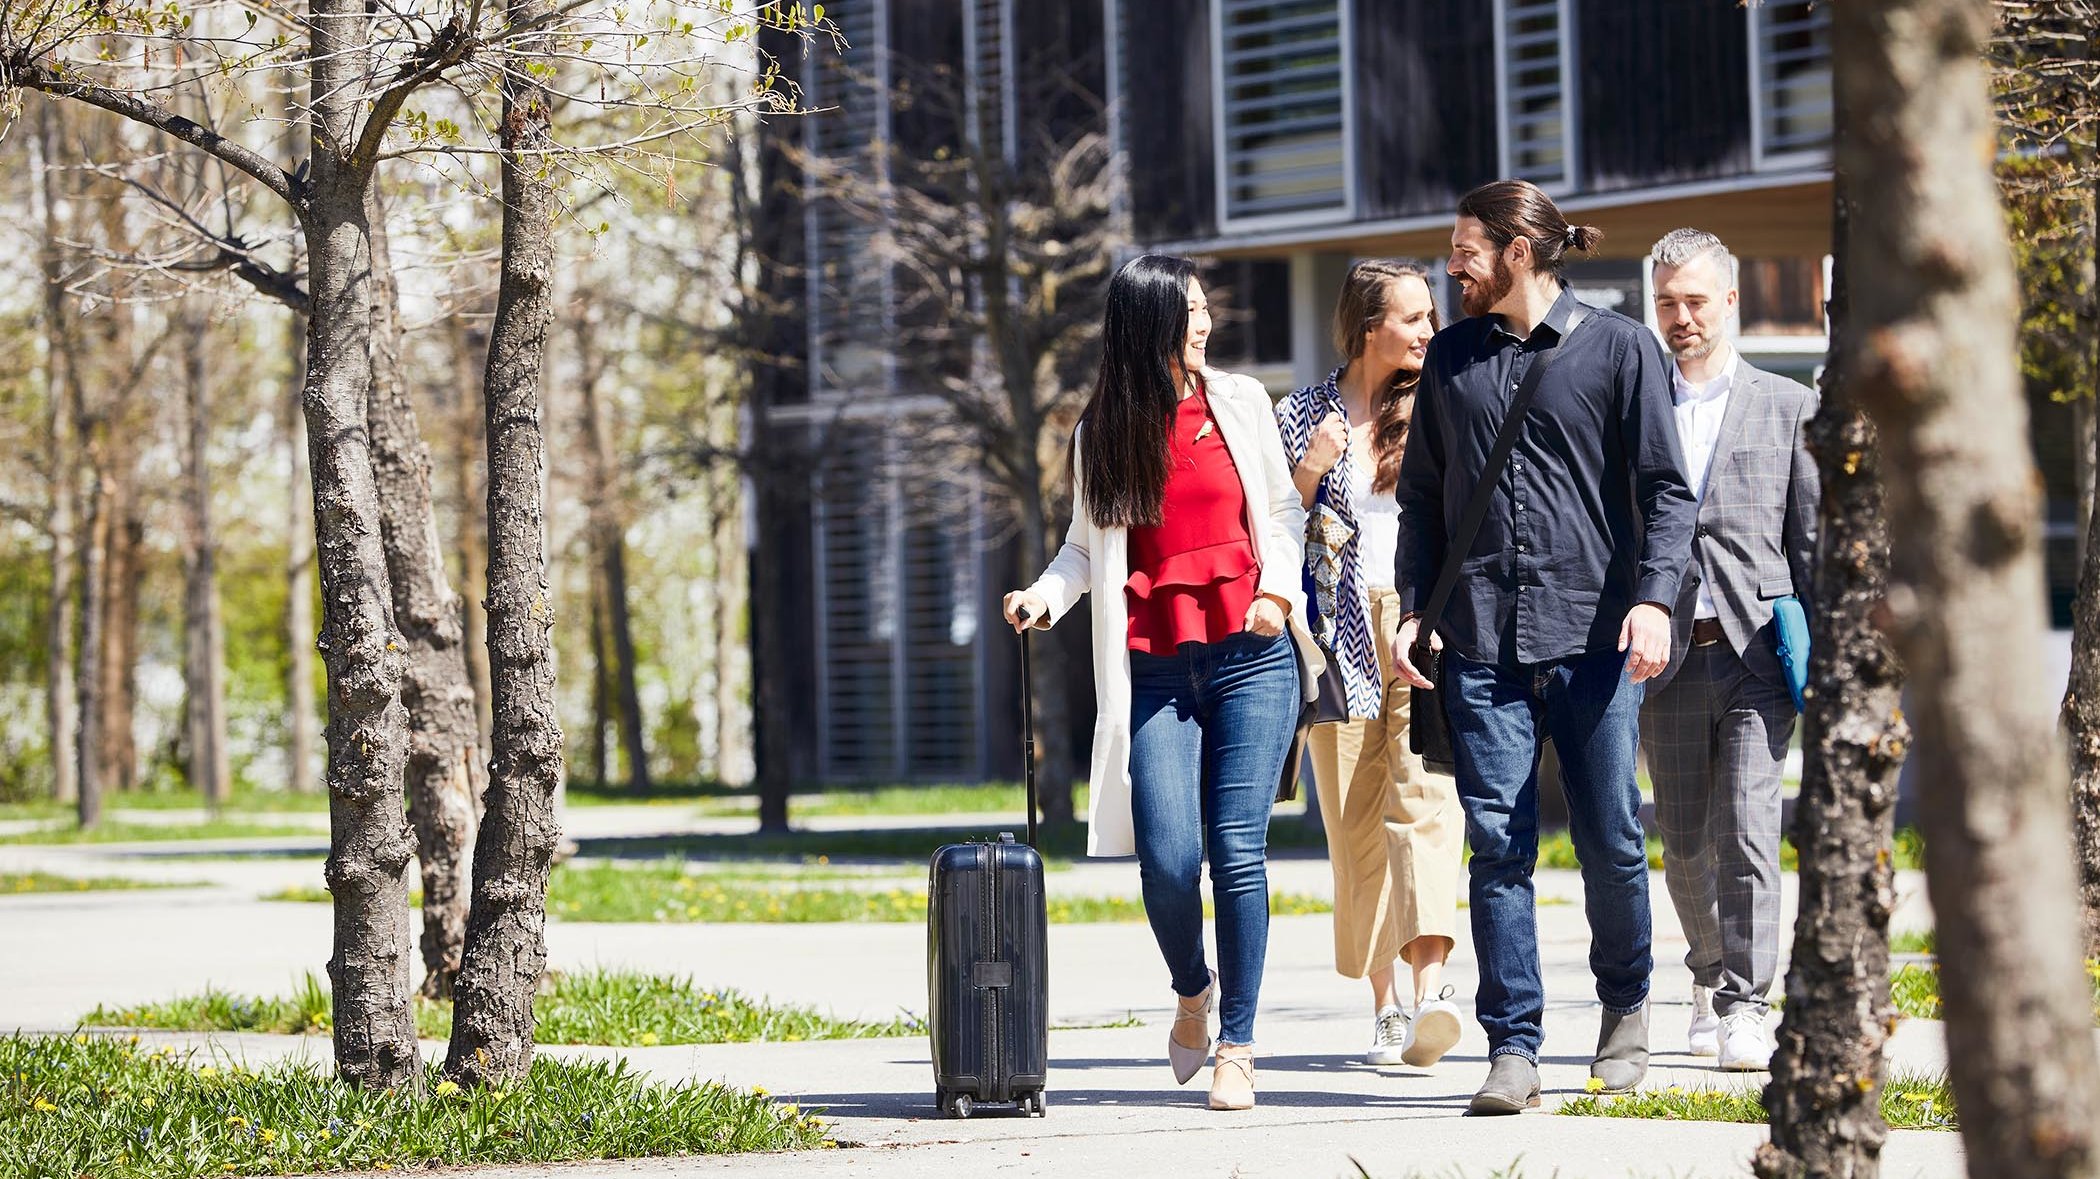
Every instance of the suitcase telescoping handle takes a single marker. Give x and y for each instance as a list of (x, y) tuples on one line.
[(1027, 721)]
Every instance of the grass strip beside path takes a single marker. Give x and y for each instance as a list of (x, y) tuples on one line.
[(666, 893), (1914, 989), (19, 883), (165, 832), (619, 1008), (1908, 1102), (98, 1105)]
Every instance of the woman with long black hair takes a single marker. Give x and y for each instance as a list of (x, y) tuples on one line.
[(1189, 534)]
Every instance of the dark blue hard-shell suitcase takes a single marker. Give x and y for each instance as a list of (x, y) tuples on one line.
[(987, 963)]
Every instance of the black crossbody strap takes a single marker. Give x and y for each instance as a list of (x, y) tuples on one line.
[(1461, 541)]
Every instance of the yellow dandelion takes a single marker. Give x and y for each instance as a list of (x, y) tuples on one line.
[(447, 1088), (134, 1040), (1593, 1085), (207, 1072), (226, 1167), (237, 1121), (758, 1090), (269, 1136), (648, 1038), (1675, 1090), (146, 1102), (43, 1106), (325, 1135), (383, 1166), (80, 1038)]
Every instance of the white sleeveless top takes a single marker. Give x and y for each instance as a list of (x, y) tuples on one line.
[(1377, 523)]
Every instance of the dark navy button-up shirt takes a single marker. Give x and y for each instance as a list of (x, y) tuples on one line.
[(1591, 516)]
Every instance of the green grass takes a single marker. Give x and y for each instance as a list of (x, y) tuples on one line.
[(621, 1008), (1914, 941), (18, 883), (1915, 989), (1908, 1102), (112, 832), (1557, 850), (243, 801), (666, 893), (99, 1105)]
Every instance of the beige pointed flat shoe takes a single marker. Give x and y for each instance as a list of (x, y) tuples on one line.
[(1232, 1082), (1187, 1061)]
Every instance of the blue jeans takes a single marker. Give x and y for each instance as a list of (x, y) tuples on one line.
[(1209, 728), (1499, 716)]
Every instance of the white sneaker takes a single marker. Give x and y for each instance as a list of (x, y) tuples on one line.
[(1389, 1031), (1745, 1044), (1704, 1036), (1433, 1032)]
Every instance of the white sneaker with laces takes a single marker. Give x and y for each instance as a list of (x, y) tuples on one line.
[(1390, 1029), (1704, 1036), (1745, 1044), (1433, 1032)]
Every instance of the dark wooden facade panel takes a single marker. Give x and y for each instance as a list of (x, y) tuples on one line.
[(1665, 92), (1168, 128), (1425, 103)]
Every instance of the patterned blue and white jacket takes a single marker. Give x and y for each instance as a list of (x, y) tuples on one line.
[(1349, 632)]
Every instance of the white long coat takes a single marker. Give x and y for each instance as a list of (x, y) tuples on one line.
[(1097, 560)]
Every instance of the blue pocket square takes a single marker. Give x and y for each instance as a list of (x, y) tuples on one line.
[(1790, 620)]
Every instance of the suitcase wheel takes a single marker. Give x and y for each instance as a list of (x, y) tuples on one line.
[(1036, 1104), (957, 1105)]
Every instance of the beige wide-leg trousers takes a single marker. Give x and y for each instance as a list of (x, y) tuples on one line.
[(1394, 830)]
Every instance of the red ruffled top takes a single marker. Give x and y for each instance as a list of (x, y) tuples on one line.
[(1193, 576)]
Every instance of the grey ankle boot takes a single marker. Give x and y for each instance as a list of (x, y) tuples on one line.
[(1512, 1086), (1622, 1050)]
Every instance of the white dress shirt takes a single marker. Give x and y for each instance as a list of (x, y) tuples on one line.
[(1700, 408)]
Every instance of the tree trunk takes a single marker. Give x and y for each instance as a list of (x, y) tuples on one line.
[(601, 686), (472, 489), (1055, 765), (203, 628), (770, 330), (367, 733), (506, 952), (608, 531), (1932, 353), (61, 375), (89, 758), (1825, 1095), (299, 578), (120, 631), (444, 771), (2081, 705)]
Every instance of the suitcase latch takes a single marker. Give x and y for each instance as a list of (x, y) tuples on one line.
[(989, 975)]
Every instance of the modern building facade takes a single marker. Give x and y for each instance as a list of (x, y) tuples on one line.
[(1283, 139)]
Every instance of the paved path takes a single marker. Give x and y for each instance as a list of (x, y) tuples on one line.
[(1114, 1109)]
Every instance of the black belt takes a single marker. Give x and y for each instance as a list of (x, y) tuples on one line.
[(1706, 632)]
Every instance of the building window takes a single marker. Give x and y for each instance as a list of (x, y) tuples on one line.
[(1285, 108), (1790, 80), (1533, 44)]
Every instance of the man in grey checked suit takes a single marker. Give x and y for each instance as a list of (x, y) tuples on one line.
[(1718, 719)]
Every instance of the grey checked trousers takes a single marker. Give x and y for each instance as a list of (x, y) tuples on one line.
[(1716, 740)]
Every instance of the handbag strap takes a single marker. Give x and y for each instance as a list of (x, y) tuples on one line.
[(1461, 541)]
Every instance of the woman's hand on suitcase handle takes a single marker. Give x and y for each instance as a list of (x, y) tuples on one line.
[(1025, 609), (1403, 651)]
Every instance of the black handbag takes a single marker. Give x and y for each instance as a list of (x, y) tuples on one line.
[(1329, 704), (1428, 725)]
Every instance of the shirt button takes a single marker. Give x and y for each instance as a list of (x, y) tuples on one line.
[(1523, 548)]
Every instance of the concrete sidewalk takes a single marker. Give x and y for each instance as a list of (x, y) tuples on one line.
[(1113, 1106)]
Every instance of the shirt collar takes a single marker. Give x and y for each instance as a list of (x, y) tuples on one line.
[(1721, 383), (1556, 320)]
